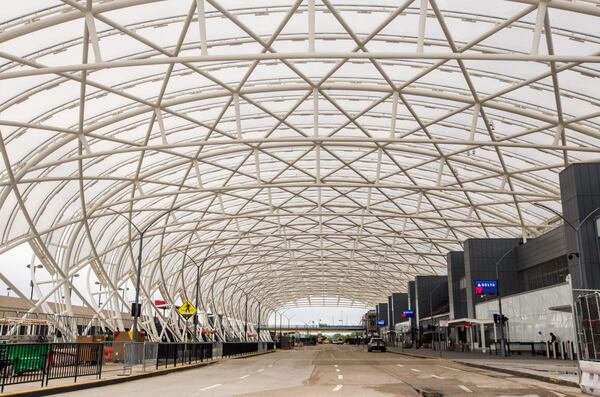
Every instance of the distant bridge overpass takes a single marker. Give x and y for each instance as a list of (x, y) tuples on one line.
[(314, 328)]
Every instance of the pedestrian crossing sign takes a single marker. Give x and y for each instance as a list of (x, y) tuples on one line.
[(187, 310)]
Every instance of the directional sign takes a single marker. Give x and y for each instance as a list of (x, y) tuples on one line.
[(187, 310)]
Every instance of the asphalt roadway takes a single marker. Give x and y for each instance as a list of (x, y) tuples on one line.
[(333, 370)]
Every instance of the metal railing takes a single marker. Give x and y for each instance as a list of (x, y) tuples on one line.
[(172, 354), (41, 362)]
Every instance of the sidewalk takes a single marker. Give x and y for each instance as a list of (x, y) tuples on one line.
[(562, 372)]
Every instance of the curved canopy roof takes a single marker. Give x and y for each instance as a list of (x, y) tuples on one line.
[(307, 152)]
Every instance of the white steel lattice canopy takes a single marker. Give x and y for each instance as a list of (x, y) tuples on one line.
[(312, 151)]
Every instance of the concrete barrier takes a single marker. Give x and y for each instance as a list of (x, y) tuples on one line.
[(590, 377)]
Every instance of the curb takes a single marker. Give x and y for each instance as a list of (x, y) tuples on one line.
[(542, 378), (51, 390)]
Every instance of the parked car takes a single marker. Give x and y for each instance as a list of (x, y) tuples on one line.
[(376, 344), (338, 341)]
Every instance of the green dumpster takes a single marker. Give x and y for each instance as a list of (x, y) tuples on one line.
[(25, 358)]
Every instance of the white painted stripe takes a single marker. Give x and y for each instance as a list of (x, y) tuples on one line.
[(557, 393), (465, 388), (244, 377), (211, 387), (337, 388), (415, 370), (340, 376), (399, 365), (437, 377), (270, 365), (260, 370), (337, 370), (450, 368), (336, 365)]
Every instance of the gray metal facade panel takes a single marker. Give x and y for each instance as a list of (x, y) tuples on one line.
[(427, 286), (546, 247), (481, 256), (580, 194)]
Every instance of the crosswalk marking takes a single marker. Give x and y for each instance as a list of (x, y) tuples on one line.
[(415, 370), (340, 376), (437, 377), (465, 388), (244, 377), (399, 365), (337, 388)]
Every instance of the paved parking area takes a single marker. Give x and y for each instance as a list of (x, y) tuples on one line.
[(330, 370)]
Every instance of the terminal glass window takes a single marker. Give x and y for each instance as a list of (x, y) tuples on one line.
[(545, 274)]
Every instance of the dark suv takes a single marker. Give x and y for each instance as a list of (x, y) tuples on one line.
[(376, 344)]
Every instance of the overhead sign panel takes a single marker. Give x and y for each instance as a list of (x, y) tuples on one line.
[(187, 309), (408, 313), (486, 287)]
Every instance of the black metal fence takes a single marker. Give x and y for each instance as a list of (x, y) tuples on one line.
[(239, 348), (182, 353), (40, 362)]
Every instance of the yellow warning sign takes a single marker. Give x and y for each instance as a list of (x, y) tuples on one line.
[(187, 309)]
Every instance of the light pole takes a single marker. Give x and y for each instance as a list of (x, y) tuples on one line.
[(577, 231), (71, 284), (246, 318), (35, 267), (258, 328), (499, 294), (136, 309), (123, 296), (8, 291), (99, 291), (431, 315), (578, 256)]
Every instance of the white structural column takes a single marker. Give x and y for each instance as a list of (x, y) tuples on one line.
[(422, 22), (539, 25), (202, 26)]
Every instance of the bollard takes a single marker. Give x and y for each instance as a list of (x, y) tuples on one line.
[(548, 349), (562, 350)]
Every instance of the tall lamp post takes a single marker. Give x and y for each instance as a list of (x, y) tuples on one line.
[(497, 265), (431, 315), (136, 308), (578, 256), (35, 267)]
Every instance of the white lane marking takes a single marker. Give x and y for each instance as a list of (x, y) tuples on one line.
[(337, 370), (244, 377), (450, 368), (260, 370), (336, 365), (557, 393), (415, 370), (438, 377), (465, 388), (337, 388), (211, 387), (399, 365), (340, 376)]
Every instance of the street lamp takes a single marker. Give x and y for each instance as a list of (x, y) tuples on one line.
[(35, 267), (8, 291), (431, 316), (198, 272), (136, 309), (578, 256), (577, 231), (499, 294), (99, 291), (71, 284), (123, 296)]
